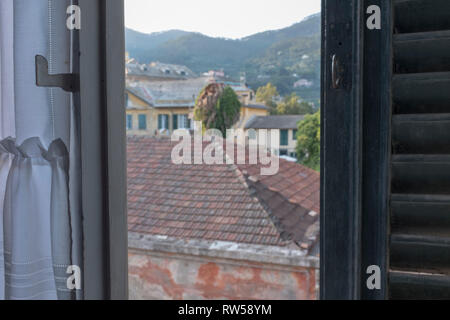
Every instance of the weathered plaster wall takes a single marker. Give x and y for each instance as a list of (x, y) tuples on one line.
[(188, 275)]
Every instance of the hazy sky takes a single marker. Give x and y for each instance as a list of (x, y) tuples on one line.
[(227, 18)]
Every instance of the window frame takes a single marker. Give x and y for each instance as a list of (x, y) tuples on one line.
[(355, 149), (181, 117), (160, 122), (346, 171), (252, 134), (103, 148), (129, 119)]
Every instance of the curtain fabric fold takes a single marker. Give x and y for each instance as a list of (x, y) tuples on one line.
[(40, 215), (36, 220)]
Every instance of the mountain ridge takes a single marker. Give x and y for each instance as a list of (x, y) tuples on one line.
[(281, 56)]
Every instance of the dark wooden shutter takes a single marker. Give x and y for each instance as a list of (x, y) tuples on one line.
[(160, 121), (420, 163)]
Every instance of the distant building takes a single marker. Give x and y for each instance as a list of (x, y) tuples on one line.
[(287, 127), (303, 83), (219, 231), (156, 71), (250, 110), (160, 107), (215, 74)]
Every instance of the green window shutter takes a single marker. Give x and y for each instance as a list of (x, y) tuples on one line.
[(175, 122), (142, 122), (284, 134), (129, 122), (160, 121), (189, 124)]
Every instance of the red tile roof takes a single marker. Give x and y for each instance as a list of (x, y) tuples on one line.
[(219, 202)]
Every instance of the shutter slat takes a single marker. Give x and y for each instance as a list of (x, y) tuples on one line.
[(421, 174), (421, 133), (421, 15), (420, 214), (420, 253), (421, 93), (407, 285), (412, 52)]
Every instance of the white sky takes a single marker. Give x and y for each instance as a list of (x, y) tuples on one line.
[(227, 18)]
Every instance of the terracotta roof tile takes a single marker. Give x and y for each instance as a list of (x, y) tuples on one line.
[(217, 202)]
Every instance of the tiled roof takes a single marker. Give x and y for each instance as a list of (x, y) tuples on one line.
[(219, 202), (157, 70), (292, 199), (274, 122), (296, 183), (169, 93), (257, 106)]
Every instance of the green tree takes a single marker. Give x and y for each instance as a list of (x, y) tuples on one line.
[(291, 105), (266, 95), (217, 107), (308, 141)]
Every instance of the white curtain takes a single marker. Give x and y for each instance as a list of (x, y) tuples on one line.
[(40, 218)]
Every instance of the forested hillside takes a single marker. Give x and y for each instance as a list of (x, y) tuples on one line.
[(283, 57)]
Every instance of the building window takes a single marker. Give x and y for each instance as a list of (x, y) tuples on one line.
[(183, 121), (142, 122), (294, 134), (283, 152), (129, 122), (284, 137), (252, 134), (163, 122)]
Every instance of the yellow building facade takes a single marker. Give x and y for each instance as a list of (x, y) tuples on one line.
[(144, 118)]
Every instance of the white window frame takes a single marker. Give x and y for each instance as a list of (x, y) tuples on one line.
[(183, 121)]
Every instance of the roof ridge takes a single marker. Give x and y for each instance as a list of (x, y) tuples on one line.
[(307, 241), (241, 177)]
